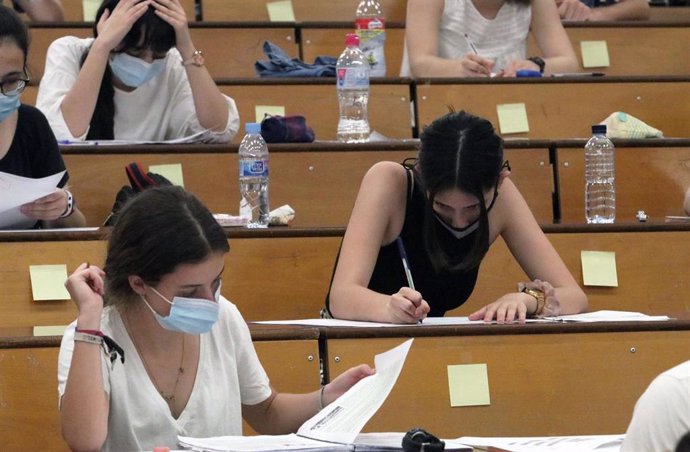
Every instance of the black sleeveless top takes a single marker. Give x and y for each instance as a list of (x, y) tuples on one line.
[(443, 291)]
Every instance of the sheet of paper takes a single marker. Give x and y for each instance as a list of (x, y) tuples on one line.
[(343, 419), (594, 54), (599, 268), (546, 443), (89, 8), (52, 330), (611, 316), (429, 321), (171, 171), (274, 110), (512, 118), (16, 191), (48, 282), (39, 231), (468, 385), (280, 11), (199, 137)]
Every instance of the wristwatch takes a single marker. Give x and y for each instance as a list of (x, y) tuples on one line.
[(539, 62), (197, 59), (418, 440), (541, 301)]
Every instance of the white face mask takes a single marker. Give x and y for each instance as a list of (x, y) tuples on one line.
[(133, 71), (188, 315)]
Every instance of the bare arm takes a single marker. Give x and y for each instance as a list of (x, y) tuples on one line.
[(552, 38), (574, 10), (49, 208), (686, 203), (43, 10)]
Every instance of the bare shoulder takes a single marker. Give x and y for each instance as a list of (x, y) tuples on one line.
[(385, 176)]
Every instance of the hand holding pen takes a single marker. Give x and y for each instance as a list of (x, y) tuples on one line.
[(407, 305), (474, 65)]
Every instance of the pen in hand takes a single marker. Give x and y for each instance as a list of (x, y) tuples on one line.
[(406, 265), (470, 44)]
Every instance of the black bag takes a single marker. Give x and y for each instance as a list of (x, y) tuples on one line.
[(286, 129)]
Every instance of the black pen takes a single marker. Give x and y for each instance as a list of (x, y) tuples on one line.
[(406, 265)]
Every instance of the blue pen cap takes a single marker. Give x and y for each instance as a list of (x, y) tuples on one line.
[(252, 127), (527, 73)]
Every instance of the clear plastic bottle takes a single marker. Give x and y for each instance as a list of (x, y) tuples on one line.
[(253, 165), (352, 82), (600, 183), (371, 29)]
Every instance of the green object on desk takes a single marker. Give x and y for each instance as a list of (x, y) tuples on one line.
[(599, 268), (512, 118), (468, 385), (280, 11), (48, 282), (594, 54)]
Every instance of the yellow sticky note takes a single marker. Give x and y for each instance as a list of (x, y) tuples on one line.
[(89, 8), (512, 118), (172, 172), (468, 385), (274, 110), (48, 282), (594, 54), (52, 330), (599, 268), (280, 11)]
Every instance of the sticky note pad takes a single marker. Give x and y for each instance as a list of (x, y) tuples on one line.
[(89, 8), (274, 110), (48, 282), (280, 11), (468, 385), (512, 118), (599, 268), (594, 54), (172, 172), (52, 330)]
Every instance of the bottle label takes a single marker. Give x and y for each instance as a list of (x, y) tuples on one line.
[(372, 40), (254, 168), (352, 78)]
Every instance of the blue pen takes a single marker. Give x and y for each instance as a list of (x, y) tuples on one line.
[(406, 265)]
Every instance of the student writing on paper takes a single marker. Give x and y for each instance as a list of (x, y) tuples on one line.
[(140, 78), (497, 30), (448, 206), (40, 10), (603, 10), (189, 364), (27, 145)]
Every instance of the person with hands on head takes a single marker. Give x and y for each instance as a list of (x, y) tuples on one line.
[(27, 145), (594, 10), (448, 206), (140, 78), (436, 45), (190, 367)]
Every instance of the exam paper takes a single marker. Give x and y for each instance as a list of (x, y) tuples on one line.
[(429, 321), (599, 443), (16, 191), (199, 137), (610, 316)]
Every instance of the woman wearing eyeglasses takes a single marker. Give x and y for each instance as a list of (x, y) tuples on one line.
[(442, 212), (27, 144)]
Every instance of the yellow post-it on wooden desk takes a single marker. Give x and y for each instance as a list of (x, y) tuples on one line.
[(512, 118), (468, 385), (89, 8), (274, 110), (280, 11), (171, 171), (599, 268), (594, 54), (52, 330), (48, 282)]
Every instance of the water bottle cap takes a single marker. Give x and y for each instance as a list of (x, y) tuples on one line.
[(252, 127), (351, 40), (599, 129)]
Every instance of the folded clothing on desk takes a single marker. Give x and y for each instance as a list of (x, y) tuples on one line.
[(279, 64)]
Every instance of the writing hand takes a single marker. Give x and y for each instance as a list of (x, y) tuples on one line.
[(407, 306), (474, 65)]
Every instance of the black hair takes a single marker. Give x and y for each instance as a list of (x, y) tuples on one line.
[(13, 29), (458, 151), (157, 230), (149, 32)]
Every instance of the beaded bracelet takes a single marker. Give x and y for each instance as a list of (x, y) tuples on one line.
[(69, 210)]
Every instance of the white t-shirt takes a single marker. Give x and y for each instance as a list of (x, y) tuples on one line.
[(503, 38), (161, 109), (229, 375), (662, 414)]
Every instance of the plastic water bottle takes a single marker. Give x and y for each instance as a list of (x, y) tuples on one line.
[(352, 82), (253, 164), (600, 184), (371, 29)]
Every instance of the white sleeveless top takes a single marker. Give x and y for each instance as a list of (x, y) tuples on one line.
[(503, 38)]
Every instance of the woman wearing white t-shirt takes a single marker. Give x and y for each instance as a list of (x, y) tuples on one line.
[(190, 366), (478, 38), (140, 78)]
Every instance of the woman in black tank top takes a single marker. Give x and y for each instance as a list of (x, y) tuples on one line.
[(442, 212)]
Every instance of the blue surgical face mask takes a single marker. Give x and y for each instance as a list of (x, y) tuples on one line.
[(8, 105), (133, 71), (188, 315)]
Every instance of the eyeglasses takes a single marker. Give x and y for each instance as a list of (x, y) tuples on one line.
[(14, 87)]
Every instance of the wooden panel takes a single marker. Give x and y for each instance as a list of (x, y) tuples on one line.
[(330, 41), (649, 179), (74, 11), (540, 384), (564, 110), (670, 14), (41, 38), (389, 106)]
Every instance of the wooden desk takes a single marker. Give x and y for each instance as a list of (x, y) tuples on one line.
[(42, 35), (543, 379)]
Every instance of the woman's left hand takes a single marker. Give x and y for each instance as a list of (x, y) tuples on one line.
[(49, 207), (172, 12), (510, 69), (345, 381), (507, 309)]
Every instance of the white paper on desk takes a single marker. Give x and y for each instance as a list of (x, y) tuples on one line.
[(343, 419), (429, 321), (610, 316), (16, 191), (600, 443), (199, 137)]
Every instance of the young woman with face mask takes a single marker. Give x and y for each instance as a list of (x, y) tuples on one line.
[(140, 78), (27, 145), (446, 208), (190, 367)]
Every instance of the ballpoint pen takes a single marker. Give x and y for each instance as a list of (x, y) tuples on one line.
[(471, 44), (406, 265)]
